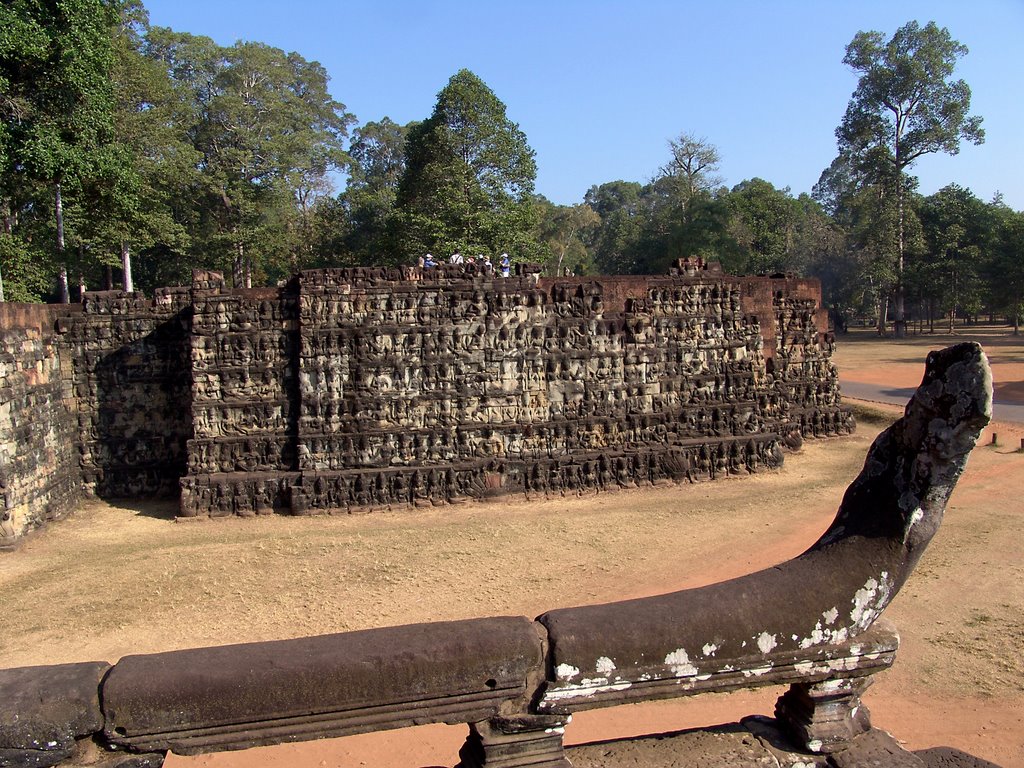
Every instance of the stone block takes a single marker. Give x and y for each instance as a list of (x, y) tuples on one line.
[(43, 710), (234, 697)]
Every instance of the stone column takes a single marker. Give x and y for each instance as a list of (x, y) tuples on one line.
[(516, 742), (825, 716)]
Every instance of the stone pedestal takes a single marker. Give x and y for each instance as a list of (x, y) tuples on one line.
[(826, 716), (534, 741)]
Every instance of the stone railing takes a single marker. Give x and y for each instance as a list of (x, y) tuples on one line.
[(811, 623)]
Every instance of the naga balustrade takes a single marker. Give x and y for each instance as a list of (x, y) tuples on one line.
[(812, 623)]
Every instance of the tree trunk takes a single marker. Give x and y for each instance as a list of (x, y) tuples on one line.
[(65, 292), (108, 278), (8, 226), (126, 268), (81, 287), (248, 273), (883, 310), (238, 271), (900, 319)]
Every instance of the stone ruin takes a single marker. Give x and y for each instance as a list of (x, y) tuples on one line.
[(364, 388), (812, 623)]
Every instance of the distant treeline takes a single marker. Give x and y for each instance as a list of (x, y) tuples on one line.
[(132, 154)]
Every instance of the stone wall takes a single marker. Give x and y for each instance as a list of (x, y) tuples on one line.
[(365, 388), (131, 380), (244, 357), (39, 472)]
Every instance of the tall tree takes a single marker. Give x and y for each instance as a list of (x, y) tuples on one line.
[(469, 177), (685, 215), (376, 167), (765, 223), (1006, 270), (57, 102), (268, 132), (135, 205), (906, 105), (562, 231), (693, 169), (613, 244), (958, 235)]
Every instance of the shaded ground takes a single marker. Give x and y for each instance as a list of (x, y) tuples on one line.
[(114, 579)]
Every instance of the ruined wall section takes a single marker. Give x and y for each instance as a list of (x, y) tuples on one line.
[(802, 395), (244, 408), (39, 470), (363, 388), (130, 378)]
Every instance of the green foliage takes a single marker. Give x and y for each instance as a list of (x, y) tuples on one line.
[(906, 105), (57, 123), (1006, 268), (24, 275), (376, 167), (958, 231), (58, 100), (679, 213), (469, 177), (562, 231), (182, 153), (614, 244)]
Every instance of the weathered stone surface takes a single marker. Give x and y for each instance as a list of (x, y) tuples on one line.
[(875, 749), (39, 475), (755, 742), (825, 716), (129, 374), (234, 697), (948, 757), (44, 709), (723, 746), (526, 740), (772, 619), (517, 687), (368, 388)]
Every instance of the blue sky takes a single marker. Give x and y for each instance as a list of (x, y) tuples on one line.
[(600, 87)]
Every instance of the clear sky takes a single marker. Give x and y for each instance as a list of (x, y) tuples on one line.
[(599, 87)]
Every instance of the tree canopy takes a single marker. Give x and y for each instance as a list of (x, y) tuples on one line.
[(147, 151), (469, 176), (906, 105)]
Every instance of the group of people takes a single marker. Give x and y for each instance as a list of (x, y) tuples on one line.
[(484, 262)]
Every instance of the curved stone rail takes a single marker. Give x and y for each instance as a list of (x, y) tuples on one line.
[(825, 598), (810, 622)]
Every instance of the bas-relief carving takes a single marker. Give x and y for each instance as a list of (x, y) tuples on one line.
[(366, 371)]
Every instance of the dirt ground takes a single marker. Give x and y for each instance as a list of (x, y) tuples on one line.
[(117, 579)]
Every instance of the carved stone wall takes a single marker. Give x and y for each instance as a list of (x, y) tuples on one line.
[(244, 357), (130, 376), (365, 388), (39, 473)]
